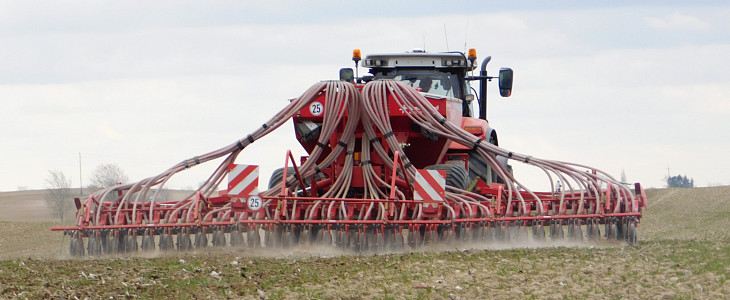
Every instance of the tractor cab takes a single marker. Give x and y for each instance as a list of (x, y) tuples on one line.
[(446, 76), (442, 74)]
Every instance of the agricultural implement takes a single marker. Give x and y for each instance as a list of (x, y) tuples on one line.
[(397, 160)]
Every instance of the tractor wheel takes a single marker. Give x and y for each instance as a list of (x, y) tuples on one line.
[(278, 174), (456, 175), (478, 166)]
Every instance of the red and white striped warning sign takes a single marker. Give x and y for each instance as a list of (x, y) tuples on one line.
[(430, 185), (243, 180)]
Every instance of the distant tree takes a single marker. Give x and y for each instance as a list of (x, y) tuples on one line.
[(58, 192), (106, 175), (680, 181)]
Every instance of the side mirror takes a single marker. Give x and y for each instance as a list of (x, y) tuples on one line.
[(505, 82), (347, 74)]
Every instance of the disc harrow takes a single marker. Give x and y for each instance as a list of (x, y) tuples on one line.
[(360, 188)]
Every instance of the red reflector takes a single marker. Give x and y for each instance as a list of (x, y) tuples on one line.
[(475, 130)]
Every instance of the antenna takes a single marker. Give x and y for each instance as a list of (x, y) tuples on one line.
[(446, 36), (466, 34), (424, 41), (81, 184)]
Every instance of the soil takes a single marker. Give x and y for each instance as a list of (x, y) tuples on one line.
[(684, 252)]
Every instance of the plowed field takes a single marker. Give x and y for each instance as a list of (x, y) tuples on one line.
[(684, 253)]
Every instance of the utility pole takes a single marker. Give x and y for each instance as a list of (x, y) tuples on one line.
[(81, 184)]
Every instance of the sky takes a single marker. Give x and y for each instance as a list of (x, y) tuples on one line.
[(639, 87)]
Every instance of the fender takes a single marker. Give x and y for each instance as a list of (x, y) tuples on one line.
[(479, 128)]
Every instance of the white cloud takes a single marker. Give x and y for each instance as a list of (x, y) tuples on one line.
[(679, 21)]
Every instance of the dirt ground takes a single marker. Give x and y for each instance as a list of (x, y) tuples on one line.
[(684, 253)]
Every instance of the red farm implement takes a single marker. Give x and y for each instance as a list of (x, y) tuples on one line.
[(397, 159)]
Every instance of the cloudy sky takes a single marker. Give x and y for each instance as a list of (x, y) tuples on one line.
[(639, 88)]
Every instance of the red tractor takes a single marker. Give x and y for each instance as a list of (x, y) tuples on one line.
[(443, 79)]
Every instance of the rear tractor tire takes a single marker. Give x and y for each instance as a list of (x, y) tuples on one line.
[(456, 175)]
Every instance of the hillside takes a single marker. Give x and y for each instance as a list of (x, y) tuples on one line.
[(687, 214)]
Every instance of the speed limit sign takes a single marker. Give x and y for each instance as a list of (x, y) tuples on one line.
[(254, 203), (316, 108)]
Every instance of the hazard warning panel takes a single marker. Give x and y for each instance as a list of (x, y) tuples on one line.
[(430, 185), (243, 180)]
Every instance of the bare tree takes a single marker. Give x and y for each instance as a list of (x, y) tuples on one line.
[(106, 175), (58, 192)]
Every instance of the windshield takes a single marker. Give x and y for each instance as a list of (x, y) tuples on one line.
[(427, 80)]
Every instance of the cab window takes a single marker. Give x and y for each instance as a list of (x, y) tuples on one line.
[(427, 81)]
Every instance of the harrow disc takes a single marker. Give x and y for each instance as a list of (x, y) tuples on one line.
[(631, 233), (148, 243), (183, 241), (76, 247), (130, 243), (166, 242), (538, 232), (236, 238), (613, 231), (201, 240), (112, 244), (219, 238), (94, 246), (556, 231)]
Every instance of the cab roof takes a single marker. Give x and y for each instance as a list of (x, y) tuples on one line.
[(417, 59)]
